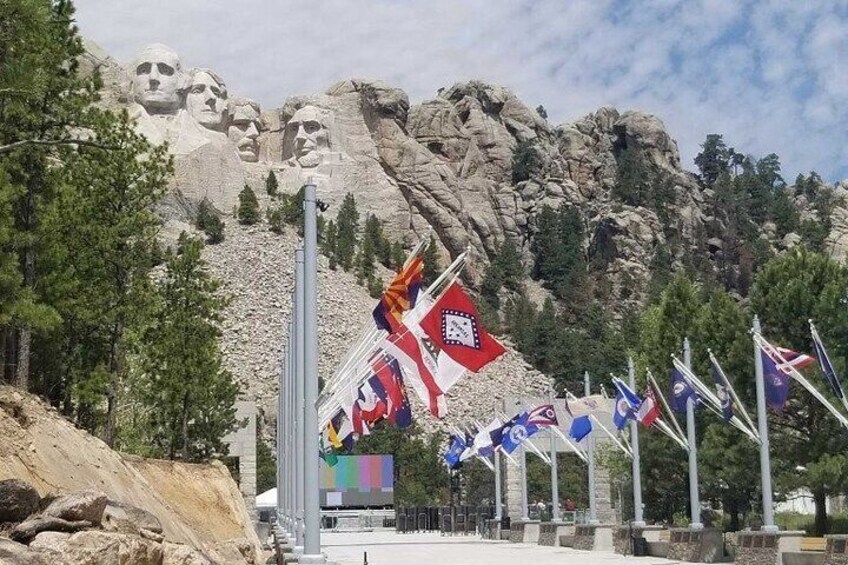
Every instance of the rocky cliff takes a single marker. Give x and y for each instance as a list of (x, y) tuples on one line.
[(444, 164)]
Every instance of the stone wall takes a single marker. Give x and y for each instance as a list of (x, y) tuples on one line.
[(584, 537), (836, 550), (703, 545), (242, 444)]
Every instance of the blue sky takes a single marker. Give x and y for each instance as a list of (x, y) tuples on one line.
[(772, 76)]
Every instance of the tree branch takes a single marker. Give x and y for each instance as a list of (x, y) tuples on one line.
[(52, 142)]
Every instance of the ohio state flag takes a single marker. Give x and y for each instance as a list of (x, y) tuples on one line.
[(454, 326)]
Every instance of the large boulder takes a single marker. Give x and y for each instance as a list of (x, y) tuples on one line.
[(18, 499), (179, 554), (129, 519), (102, 548), (14, 553), (83, 505)]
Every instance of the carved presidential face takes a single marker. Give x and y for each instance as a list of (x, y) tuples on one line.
[(310, 137), (157, 80), (207, 100), (244, 128)]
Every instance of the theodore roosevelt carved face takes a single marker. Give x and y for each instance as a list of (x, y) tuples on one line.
[(244, 128)]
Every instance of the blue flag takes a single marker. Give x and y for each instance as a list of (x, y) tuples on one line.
[(580, 428), (626, 404), (455, 449), (722, 392), (516, 431), (681, 391), (827, 367), (776, 383)]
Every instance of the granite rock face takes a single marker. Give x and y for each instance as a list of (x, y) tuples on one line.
[(18, 499)]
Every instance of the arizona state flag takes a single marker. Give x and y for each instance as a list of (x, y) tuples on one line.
[(400, 296), (455, 327)]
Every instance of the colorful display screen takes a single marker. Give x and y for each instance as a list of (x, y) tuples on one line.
[(358, 481)]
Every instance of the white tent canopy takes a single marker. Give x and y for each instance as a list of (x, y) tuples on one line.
[(267, 499)]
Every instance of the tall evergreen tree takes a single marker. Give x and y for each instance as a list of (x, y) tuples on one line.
[(248, 208), (714, 158), (432, 265), (271, 184), (347, 226), (181, 360)]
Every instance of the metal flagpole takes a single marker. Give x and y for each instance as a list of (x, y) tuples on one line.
[(280, 435), (590, 448), (524, 513), (762, 426), (554, 474), (292, 431), (498, 500), (312, 502), (299, 405), (638, 521), (694, 496)]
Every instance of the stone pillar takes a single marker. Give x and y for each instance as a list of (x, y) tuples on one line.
[(603, 495), (513, 478), (242, 444)]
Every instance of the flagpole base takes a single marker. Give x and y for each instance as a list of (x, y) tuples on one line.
[(770, 529), (319, 559), (696, 526)]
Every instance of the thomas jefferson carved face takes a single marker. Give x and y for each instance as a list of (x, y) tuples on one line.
[(244, 128), (158, 80), (207, 99), (310, 137)]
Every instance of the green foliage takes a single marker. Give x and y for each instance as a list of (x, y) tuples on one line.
[(633, 179), (266, 462), (526, 161), (542, 112), (209, 222), (558, 250), (504, 271), (248, 208), (347, 226), (432, 265), (714, 158), (181, 363), (271, 184)]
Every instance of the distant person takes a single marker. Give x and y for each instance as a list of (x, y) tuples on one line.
[(569, 505)]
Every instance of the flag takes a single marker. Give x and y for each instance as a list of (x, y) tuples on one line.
[(681, 391), (793, 359), (469, 446), (340, 433), (454, 327), (649, 409), (827, 367), (483, 444), (400, 296), (516, 431), (543, 415), (388, 376), (580, 428), (627, 403), (583, 406), (722, 392), (405, 346), (327, 455), (776, 381), (456, 446)]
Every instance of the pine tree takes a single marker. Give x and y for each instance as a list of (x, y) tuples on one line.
[(432, 265), (397, 256), (44, 104), (347, 225), (105, 218), (526, 161), (542, 112), (328, 243), (633, 179), (209, 222), (182, 365), (248, 209), (714, 158), (271, 184)]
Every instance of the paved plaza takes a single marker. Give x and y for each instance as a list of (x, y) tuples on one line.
[(390, 548)]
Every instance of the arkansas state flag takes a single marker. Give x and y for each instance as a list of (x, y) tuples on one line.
[(455, 328)]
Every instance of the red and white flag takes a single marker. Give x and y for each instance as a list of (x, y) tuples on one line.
[(649, 409), (454, 327), (793, 359), (420, 367)]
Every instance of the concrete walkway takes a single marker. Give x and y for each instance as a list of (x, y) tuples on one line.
[(390, 548)]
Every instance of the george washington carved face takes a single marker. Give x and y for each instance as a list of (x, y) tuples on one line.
[(158, 80)]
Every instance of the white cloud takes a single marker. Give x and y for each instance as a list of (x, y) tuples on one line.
[(770, 76)]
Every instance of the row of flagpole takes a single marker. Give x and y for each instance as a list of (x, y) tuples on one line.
[(298, 504)]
